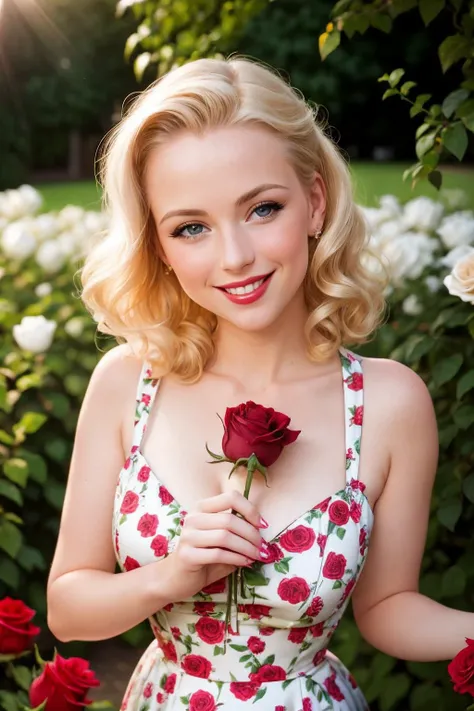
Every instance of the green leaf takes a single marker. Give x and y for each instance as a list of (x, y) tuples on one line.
[(30, 422), (464, 416), (468, 121), (422, 129), (436, 179), (394, 690), (465, 383), (447, 368), (254, 577), (328, 42), (454, 582), (10, 573), (17, 471), (449, 513), (381, 22), (57, 449), (11, 538), (395, 77), (424, 696), (466, 108), (468, 488), (22, 676), (9, 701), (140, 64), (453, 100), (455, 139), (388, 93), (31, 559), (452, 49), (10, 491), (447, 434), (54, 494), (36, 465), (406, 87), (424, 144), (429, 9)]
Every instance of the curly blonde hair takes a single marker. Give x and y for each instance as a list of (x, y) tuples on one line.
[(123, 277)]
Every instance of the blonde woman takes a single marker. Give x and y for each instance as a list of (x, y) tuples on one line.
[(235, 270)]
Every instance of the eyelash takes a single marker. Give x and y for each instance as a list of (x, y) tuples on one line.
[(276, 207)]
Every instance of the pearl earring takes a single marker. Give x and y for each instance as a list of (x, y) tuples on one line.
[(317, 234), (168, 269)]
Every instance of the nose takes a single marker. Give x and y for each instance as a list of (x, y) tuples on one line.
[(237, 250)]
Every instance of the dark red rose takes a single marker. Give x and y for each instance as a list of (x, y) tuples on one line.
[(307, 705), (334, 566), (170, 683), (356, 484), (297, 634), (356, 511), (64, 683), (274, 553), (147, 525), (256, 645), (130, 563), (339, 513), (129, 503), (280, 708), (355, 381), (148, 690), (319, 657), (268, 672), (358, 416), (159, 545), (317, 630), (146, 399), (323, 505), (144, 474), (195, 665), (363, 540), (255, 612), (159, 698), (204, 608), (315, 608), (168, 607), (266, 631), (293, 590), (218, 586), (352, 681), (165, 496), (254, 429), (17, 632), (209, 630), (333, 689), (298, 539), (176, 632), (169, 651), (202, 701), (348, 589), (321, 541), (461, 669), (244, 690)]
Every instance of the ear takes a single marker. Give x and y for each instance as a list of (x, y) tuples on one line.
[(317, 204)]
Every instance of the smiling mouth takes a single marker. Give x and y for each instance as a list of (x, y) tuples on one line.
[(247, 288)]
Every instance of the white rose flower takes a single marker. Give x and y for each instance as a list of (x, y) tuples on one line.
[(373, 217), (45, 227), (387, 231), (412, 305), (68, 244), (408, 255), (457, 229), (18, 241), (32, 200), (461, 280), (50, 256), (69, 216), (74, 327), (34, 333), (44, 289), (93, 221), (390, 206), (3, 222), (13, 207), (423, 214), (452, 257), (433, 283), (454, 198)]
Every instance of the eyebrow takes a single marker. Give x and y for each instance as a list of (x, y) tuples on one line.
[(239, 202)]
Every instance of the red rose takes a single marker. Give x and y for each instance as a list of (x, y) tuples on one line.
[(165, 496), (297, 634), (146, 399), (268, 672), (255, 612), (333, 689), (204, 608), (244, 690), (195, 665), (339, 513), (319, 657), (356, 484), (323, 505), (317, 630), (280, 708), (147, 525), (159, 697), (17, 632), (254, 429), (461, 669), (356, 511), (298, 539), (169, 651), (266, 631), (273, 551), (352, 681), (64, 683), (355, 381), (129, 503), (202, 701), (159, 545), (334, 566), (358, 416), (170, 683), (218, 586), (321, 541), (144, 474), (315, 608), (130, 563), (307, 705), (148, 690), (348, 589), (293, 590), (210, 630), (256, 645), (176, 632)]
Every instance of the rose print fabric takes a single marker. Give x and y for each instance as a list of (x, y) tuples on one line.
[(289, 606)]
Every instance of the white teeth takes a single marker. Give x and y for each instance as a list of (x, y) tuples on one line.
[(240, 290)]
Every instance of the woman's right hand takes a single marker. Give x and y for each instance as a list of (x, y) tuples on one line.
[(214, 542)]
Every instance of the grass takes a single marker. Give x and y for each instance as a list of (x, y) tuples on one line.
[(371, 180)]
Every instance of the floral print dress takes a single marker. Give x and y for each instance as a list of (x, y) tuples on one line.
[(289, 606)]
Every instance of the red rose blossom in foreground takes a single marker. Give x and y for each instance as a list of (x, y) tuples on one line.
[(65, 684), (17, 632), (461, 669)]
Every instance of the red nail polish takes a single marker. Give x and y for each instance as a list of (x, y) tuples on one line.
[(263, 523)]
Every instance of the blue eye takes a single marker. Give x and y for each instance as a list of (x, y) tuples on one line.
[(193, 228), (266, 209)]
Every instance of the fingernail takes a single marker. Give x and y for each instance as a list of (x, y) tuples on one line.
[(263, 551), (249, 564), (263, 523)]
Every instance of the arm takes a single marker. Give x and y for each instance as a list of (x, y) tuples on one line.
[(389, 610)]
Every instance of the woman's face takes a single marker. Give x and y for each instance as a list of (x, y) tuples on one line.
[(233, 221)]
